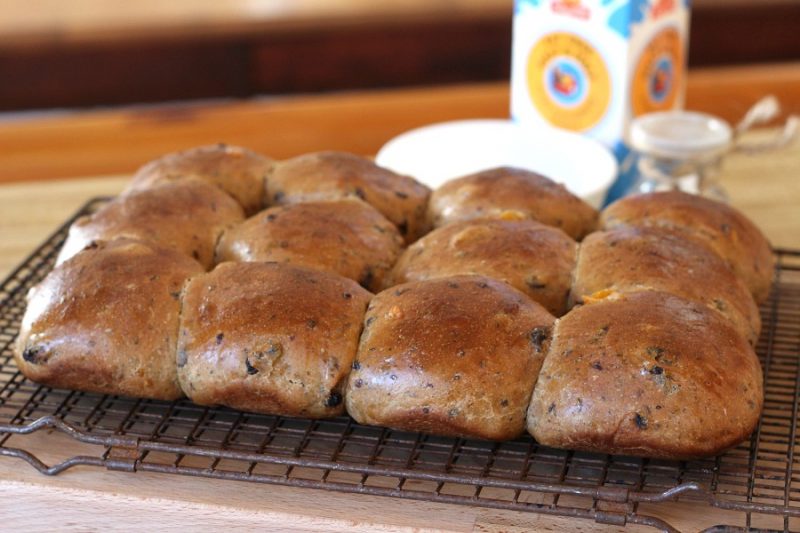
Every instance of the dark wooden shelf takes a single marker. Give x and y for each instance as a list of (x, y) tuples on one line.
[(379, 52)]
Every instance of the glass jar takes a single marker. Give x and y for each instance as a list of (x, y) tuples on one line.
[(677, 150)]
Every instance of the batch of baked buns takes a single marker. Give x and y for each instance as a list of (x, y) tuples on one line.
[(496, 304)]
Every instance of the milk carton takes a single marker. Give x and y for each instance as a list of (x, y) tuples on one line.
[(591, 66)]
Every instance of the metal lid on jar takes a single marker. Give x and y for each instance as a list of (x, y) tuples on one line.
[(680, 135)]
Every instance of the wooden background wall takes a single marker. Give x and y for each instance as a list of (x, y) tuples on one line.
[(247, 61)]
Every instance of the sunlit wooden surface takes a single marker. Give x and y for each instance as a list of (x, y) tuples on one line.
[(73, 144)]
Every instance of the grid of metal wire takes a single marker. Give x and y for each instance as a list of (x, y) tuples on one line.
[(758, 481)]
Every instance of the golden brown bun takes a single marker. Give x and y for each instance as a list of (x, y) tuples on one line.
[(452, 356), (649, 374), (716, 225), (345, 236), (237, 171), (187, 216), (496, 192), (631, 259), (269, 338), (531, 257), (330, 175), (107, 321)]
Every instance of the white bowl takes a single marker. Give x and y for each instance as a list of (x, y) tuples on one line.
[(440, 152)]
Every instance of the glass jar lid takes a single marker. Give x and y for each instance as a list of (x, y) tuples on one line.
[(685, 135)]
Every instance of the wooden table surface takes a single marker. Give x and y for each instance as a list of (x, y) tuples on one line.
[(34, 151)]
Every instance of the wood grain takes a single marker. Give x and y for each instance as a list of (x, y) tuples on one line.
[(90, 499), (63, 145), (118, 141)]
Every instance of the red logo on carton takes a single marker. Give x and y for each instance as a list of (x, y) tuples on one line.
[(660, 81), (573, 8), (564, 83), (662, 7)]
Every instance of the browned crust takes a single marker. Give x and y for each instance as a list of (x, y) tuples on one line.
[(452, 356), (649, 374), (238, 171), (655, 364), (630, 259), (331, 175), (718, 226), (348, 237), (187, 216), (531, 257), (493, 193), (106, 321), (270, 338)]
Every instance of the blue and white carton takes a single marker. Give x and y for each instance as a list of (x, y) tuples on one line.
[(591, 66)]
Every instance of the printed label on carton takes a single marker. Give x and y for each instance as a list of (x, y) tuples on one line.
[(592, 65), (657, 78), (568, 81)]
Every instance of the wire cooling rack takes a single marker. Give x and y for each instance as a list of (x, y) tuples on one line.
[(757, 483)]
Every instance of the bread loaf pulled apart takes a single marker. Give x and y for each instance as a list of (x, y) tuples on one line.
[(168, 291), (237, 171), (187, 216), (647, 374), (269, 338), (333, 175), (345, 236), (452, 356), (106, 321), (495, 193), (633, 259), (715, 225), (531, 257)]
